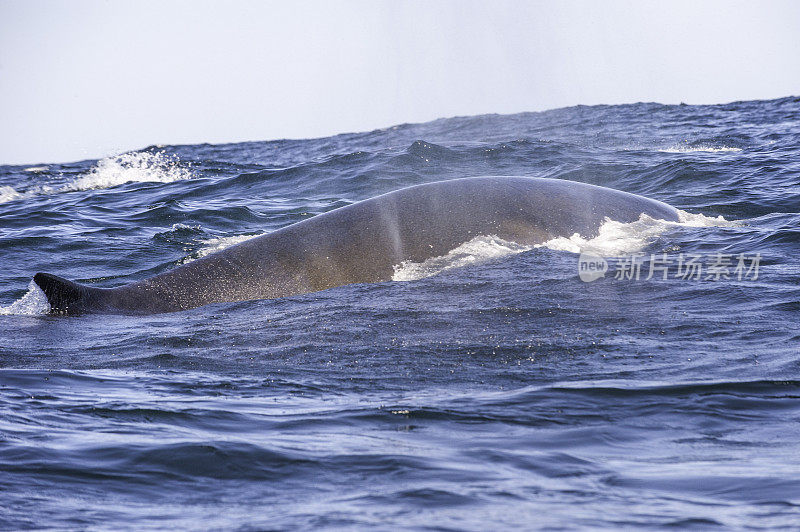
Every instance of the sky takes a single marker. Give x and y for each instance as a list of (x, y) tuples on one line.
[(86, 79)]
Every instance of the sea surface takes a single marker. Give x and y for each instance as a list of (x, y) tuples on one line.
[(489, 389)]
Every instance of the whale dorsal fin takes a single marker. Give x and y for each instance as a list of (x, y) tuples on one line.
[(63, 295)]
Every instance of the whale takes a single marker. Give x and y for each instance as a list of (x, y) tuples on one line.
[(363, 242)]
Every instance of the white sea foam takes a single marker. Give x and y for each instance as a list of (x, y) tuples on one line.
[(212, 245), (701, 220), (33, 303), (155, 167), (617, 238), (477, 250), (613, 239), (130, 167), (689, 149), (8, 194), (185, 227)]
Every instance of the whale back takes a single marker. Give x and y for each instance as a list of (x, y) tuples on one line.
[(363, 242)]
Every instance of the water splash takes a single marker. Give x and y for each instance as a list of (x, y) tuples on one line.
[(112, 171), (8, 194), (155, 167), (689, 219), (33, 303), (477, 250), (617, 238), (212, 245), (613, 239)]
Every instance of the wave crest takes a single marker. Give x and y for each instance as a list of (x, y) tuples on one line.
[(8, 193), (155, 167)]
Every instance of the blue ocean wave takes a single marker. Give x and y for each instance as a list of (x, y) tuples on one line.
[(488, 387)]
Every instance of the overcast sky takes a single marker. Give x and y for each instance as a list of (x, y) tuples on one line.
[(84, 79)]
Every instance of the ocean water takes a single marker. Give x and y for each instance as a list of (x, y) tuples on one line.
[(491, 388)]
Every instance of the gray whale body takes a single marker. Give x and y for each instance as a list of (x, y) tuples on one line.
[(362, 242)]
